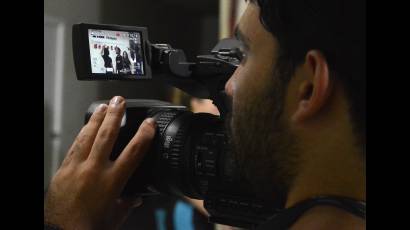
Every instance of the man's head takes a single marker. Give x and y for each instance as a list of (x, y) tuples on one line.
[(125, 54), (117, 50), (300, 89), (106, 52)]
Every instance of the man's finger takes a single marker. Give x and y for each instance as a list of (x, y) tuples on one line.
[(134, 152), (85, 139), (108, 132)]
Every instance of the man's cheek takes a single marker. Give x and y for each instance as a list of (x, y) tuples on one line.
[(251, 80)]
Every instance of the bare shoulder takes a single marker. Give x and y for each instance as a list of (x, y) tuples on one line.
[(328, 217)]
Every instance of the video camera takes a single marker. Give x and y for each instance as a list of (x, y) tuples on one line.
[(191, 153)]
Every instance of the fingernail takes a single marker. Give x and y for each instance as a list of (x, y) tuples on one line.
[(150, 121), (101, 108), (115, 101)]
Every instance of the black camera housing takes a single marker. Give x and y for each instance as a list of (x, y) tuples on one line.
[(190, 156)]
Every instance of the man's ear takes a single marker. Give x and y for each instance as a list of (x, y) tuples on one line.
[(314, 89)]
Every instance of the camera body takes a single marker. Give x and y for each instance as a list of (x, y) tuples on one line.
[(191, 152)]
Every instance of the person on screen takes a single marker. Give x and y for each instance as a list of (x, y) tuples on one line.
[(127, 62), (105, 53), (132, 53), (138, 60), (133, 63), (119, 61)]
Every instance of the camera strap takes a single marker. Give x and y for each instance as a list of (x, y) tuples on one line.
[(285, 218)]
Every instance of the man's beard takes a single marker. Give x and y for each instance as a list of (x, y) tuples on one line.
[(263, 146)]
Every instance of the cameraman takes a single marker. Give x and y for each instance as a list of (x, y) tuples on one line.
[(298, 122)]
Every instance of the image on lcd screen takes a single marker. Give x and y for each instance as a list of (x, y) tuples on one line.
[(116, 52)]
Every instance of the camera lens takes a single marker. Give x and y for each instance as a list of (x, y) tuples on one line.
[(185, 156), (188, 150)]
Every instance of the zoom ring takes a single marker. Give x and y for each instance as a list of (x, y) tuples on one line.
[(164, 118), (175, 151)]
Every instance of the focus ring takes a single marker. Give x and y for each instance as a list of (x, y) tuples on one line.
[(164, 118)]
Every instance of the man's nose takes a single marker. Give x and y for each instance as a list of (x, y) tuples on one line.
[(229, 86)]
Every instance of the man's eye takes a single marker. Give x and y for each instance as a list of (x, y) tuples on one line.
[(242, 56)]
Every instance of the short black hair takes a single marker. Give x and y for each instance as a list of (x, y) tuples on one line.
[(106, 52), (335, 27)]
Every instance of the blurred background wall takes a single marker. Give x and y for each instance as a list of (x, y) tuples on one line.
[(65, 99)]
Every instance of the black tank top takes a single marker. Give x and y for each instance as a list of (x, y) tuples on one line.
[(285, 218)]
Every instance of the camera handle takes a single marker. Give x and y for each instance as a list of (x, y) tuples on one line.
[(206, 77)]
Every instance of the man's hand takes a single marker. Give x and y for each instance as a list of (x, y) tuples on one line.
[(85, 191)]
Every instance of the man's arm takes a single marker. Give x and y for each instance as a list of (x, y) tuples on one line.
[(85, 191)]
